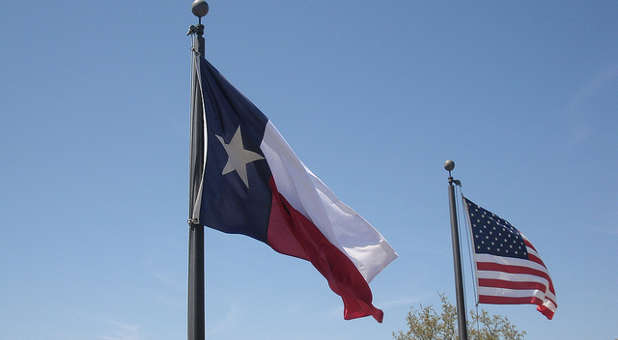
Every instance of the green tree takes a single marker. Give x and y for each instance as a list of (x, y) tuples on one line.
[(425, 323)]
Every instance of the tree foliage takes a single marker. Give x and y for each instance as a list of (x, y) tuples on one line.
[(425, 323)]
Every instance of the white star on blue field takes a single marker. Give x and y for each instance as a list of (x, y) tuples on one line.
[(238, 156), (373, 96)]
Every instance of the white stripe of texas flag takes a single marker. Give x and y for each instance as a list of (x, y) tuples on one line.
[(341, 225)]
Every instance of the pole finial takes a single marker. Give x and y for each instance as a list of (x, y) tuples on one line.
[(449, 165), (199, 8)]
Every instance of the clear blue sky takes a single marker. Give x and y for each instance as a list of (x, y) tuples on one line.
[(373, 96)]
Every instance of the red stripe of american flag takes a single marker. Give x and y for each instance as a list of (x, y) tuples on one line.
[(496, 283), (502, 300), (528, 243), (505, 300), (538, 260), (496, 267), (511, 269)]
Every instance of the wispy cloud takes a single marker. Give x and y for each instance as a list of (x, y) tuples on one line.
[(170, 291), (122, 331), (613, 230), (169, 282), (231, 319), (590, 88), (406, 301), (336, 312), (607, 225), (576, 106)]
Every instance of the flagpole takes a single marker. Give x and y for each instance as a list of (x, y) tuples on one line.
[(196, 323), (449, 165)]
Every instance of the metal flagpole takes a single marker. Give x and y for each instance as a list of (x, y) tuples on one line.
[(449, 165), (195, 305)]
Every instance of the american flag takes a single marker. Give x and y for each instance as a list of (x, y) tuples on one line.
[(509, 270)]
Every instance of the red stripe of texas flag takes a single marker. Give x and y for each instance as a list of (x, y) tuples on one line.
[(291, 233)]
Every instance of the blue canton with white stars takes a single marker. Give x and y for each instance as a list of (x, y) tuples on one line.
[(494, 235)]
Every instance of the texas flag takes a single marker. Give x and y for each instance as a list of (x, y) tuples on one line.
[(253, 184)]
